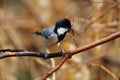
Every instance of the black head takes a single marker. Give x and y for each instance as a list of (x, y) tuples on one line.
[(62, 27), (64, 23)]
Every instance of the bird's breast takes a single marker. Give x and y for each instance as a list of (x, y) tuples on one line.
[(52, 39)]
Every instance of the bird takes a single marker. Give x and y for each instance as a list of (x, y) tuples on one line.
[(54, 34)]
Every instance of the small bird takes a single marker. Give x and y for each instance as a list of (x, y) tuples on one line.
[(55, 34)]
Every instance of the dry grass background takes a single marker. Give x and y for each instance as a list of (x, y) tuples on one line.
[(91, 19)]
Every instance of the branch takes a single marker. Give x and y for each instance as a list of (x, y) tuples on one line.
[(11, 50), (18, 53), (67, 55), (96, 43)]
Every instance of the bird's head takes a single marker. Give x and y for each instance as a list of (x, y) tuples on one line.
[(62, 26)]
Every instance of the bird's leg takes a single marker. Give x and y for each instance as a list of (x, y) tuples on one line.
[(45, 52), (62, 50)]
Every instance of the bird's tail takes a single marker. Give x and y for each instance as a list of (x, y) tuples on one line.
[(37, 33)]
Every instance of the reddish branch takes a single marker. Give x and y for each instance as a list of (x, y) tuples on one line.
[(68, 54), (96, 43)]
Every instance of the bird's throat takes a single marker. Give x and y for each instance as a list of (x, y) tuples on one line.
[(61, 31)]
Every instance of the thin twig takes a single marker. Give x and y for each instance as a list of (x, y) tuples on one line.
[(11, 50), (17, 53), (106, 70)]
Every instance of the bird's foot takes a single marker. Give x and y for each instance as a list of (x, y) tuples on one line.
[(45, 55), (62, 52)]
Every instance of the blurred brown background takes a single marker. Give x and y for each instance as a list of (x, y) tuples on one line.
[(91, 20)]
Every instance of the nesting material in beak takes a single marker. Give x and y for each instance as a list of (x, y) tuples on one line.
[(72, 31)]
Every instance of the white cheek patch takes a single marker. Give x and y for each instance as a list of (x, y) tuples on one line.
[(61, 30)]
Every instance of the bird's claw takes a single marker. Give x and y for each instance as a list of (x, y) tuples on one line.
[(45, 55), (62, 52)]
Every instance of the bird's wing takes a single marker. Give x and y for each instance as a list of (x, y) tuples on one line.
[(50, 37), (48, 32)]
